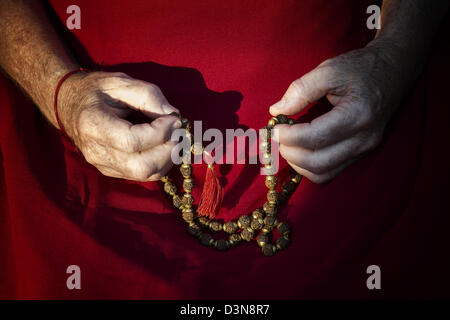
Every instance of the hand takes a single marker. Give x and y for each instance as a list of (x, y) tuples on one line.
[(93, 107), (365, 87)]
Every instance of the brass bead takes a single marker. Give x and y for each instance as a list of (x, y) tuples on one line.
[(258, 214), (235, 239), (291, 121), (272, 122), (165, 179), (206, 239), (270, 221), (270, 209), (282, 243), (271, 182), (188, 185), (272, 197), (188, 215), (194, 230), (296, 177), (282, 118), (221, 244), (170, 188), (268, 250), (262, 239), (244, 221), (247, 234), (283, 228), (230, 227), (257, 224), (187, 200), (203, 221), (176, 200), (215, 226), (186, 170)]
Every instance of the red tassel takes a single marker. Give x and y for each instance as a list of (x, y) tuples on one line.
[(212, 194)]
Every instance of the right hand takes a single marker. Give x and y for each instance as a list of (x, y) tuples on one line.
[(92, 108)]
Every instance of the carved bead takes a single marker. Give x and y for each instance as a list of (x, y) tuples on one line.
[(283, 228), (272, 196), (282, 243), (204, 221), (194, 230), (215, 226), (268, 250), (271, 182), (257, 224), (187, 200), (296, 177), (282, 118), (258, 214), (221, 244), (186, 170), (270, 221), (289, 186), (230, 227), (188, 215), (206, 239), (244, 221), (247, 234), (176, 200), (170, 188), (235, 239), (262, 239), (270, 209), (188, 185)]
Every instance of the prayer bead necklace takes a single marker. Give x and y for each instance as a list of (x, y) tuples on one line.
[(259, 225)]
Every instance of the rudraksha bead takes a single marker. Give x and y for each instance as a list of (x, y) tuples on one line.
[(215, 226), (170, 188), (188, 185), (206, 239), (272, 197), (247, 234), (257, 224), (271, 182), (235, 239), (221, 244), (187, 200), (258, 214), (296, 177), (230, 227), (282, 243), (176, 200), (291, 121), (186, 170), (244, 221), (185, 123), (188, 215), (289, 186), (268, 250), (194, 230), (269, 209), (262, 239), (283, 228), (282, 118)]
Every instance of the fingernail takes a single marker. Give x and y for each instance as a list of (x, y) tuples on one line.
[(168, 109), (279, 105), (176, 124)]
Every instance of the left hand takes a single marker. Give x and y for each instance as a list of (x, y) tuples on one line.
[(365, 87)]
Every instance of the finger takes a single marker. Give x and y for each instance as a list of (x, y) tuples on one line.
[(108, 129), (329, 158), (138, 94), (302, 92), (337, 124), (324, 177)]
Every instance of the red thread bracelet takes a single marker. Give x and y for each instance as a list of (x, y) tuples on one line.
[(55, 105)]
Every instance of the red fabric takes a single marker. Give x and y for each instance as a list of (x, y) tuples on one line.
[(224, 63)]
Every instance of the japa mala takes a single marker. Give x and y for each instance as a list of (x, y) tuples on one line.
[(259, 226)]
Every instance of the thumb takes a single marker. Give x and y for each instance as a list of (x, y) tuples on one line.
[(304, 91), (142, 96)]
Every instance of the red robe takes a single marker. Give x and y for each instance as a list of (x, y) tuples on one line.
[(224, 63)]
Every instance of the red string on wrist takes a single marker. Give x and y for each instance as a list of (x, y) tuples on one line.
[(55, 105)]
